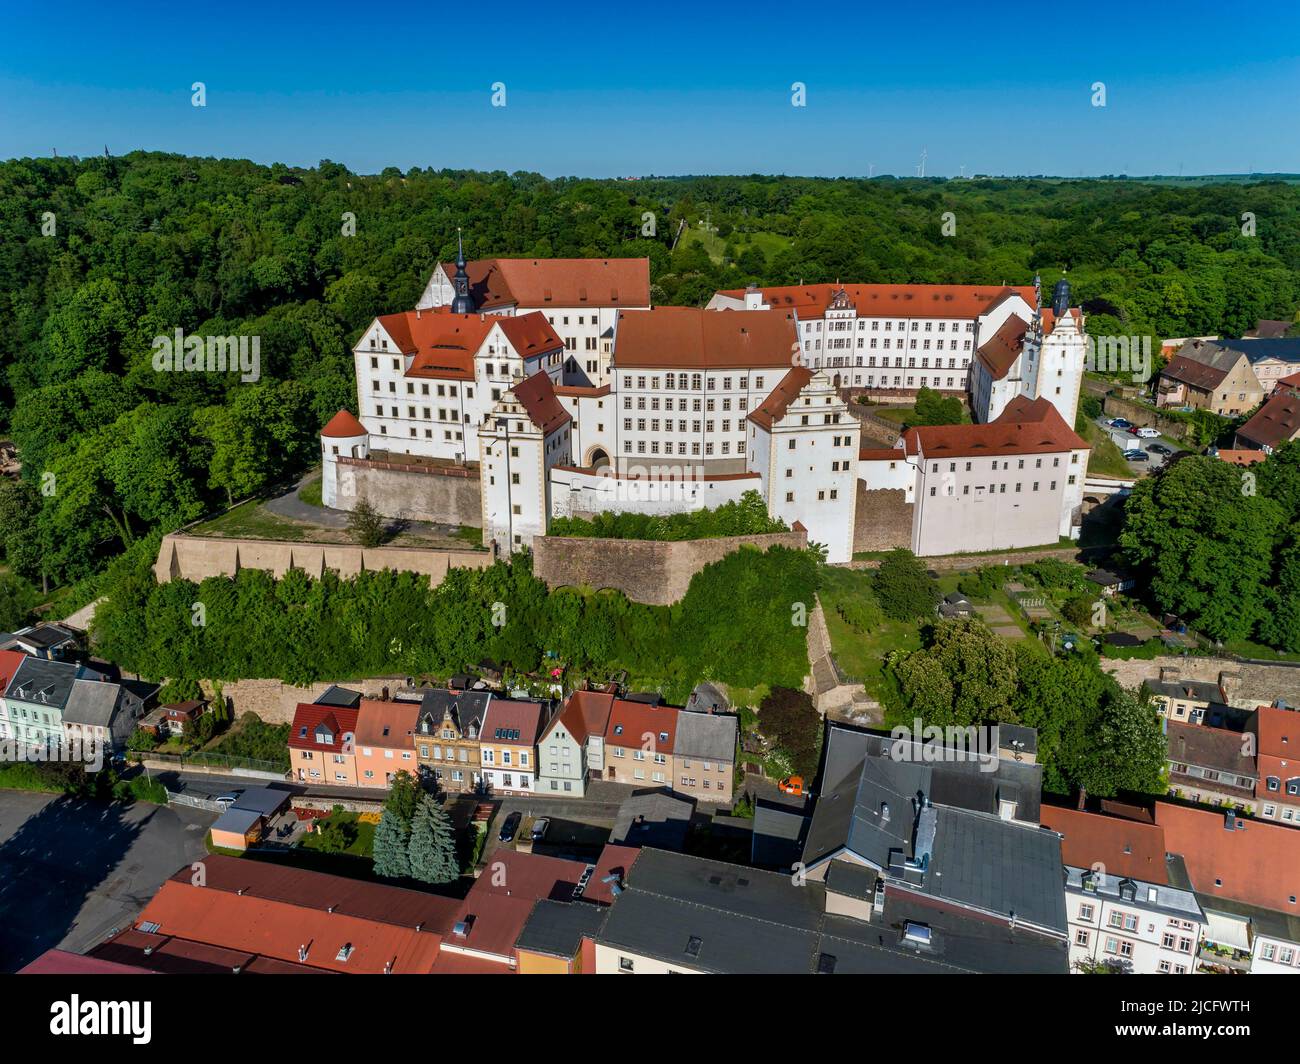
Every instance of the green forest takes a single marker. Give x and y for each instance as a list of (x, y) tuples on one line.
[(100, 255)]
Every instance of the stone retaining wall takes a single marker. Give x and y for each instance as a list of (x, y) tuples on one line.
[(656, 572), (198, 557)]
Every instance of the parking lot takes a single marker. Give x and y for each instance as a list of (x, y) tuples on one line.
[(72, 870), (1127, 441)]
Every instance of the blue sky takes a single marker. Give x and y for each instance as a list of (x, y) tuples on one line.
[(606, 90)]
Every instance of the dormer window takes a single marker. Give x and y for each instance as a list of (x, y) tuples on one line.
[(324, 736)]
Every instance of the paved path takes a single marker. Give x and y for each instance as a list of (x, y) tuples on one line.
[(290, 506), (71, 870)]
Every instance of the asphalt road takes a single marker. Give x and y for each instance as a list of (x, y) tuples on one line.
[(72, 871)]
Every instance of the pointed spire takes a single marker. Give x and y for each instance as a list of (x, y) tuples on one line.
[(462, 303)]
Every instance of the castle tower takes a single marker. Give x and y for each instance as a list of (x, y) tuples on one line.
[(462, 303), (343, 437), (1062, 356)]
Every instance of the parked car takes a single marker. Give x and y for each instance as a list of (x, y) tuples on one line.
[(227, 800), (508, 829), (1137, 456), (792, 785), (1159, 448), (539, 828), (1149, 433), (1120, 423)]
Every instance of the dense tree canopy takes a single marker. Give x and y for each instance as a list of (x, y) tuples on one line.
[(100, 256), (1219, 545)]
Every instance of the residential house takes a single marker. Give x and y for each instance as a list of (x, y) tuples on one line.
[(1273, 424), (254, 917), (678, 914), (35, 699), (1215, 376), (704, 749), (1268, 329), (572, 744), (447, 735), (508, 745), (103, 712), (938, 825), (639, 742), (1277, 786), (173, 718), (1111, 584), (1183, 701), (9, 662), (53, 642), (1211, 766), (1245, 874), (383, 742), (1120, 904), (322, 745)]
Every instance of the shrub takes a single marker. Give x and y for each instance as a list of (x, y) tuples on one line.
[(903, 588)]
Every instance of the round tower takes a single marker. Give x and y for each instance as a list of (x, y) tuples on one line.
[(343, 437)]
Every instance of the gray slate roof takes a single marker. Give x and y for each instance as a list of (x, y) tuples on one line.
[(970, 856), (93, 703), (36, 675), (778, 835), (707, 736), (716, 917), (556, 928), (262, 800), (656, 818)]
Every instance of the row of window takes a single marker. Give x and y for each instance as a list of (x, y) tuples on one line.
[(689, 381), (725, 447), (841, 324), (926, 345), (741, 404)]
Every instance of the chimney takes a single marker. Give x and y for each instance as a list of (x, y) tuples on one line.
[(302, 954)]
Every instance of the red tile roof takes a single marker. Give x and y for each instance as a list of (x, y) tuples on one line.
[(337, 720), (1001, 350), (521, 721), (498, 904), (867, 453), (444, 344), (892, 300), (386, 724), (691, 338), (544, 283), (1275, 730), (537, 394), (638, 725), (1122, 847), (586, 713), (343, 424), (277, 929), (774, 407), (1276, 422), (62, 962), (613, 859), (9, 662), (1257, 863), (1241, 457), (1024, 427), (1196, 374)]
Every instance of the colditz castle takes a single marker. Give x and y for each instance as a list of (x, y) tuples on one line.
[(519, 390)]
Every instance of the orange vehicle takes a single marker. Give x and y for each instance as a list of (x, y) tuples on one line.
[(792, 785)]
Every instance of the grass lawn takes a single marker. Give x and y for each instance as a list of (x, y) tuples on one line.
[(1245, 648), (249, 520), (715, 246), (363, 840), (1106, 459), (900, 414), (862, 655), (471, 536), (310, 493)]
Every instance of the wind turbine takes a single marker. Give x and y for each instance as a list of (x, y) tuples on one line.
[(920, 168)]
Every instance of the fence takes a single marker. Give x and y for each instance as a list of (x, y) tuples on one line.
[(212, 760)]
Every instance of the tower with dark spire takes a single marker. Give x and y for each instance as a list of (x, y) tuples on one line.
[(1061, 298), (462, 303)]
